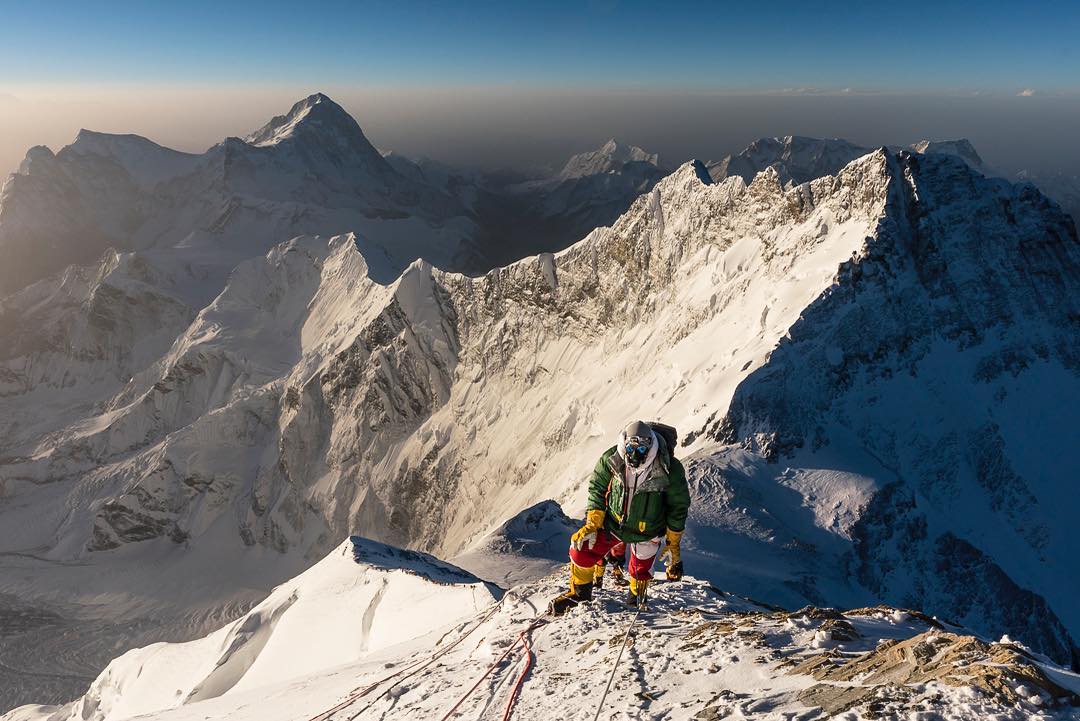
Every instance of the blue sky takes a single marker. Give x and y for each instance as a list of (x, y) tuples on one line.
[(990, 46), (493, 83)]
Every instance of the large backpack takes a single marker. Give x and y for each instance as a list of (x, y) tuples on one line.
[(668, 433)]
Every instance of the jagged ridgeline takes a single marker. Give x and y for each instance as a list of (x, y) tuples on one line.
[(875, 372)]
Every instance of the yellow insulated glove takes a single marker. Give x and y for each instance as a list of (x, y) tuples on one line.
[(672, 557), (586, 535)]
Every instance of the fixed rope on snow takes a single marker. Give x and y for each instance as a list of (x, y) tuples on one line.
[(614, 668), (535, 624), (529, 656), (523, 638), (405, 672)]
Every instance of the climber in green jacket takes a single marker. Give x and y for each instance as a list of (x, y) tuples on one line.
[(637, 496)]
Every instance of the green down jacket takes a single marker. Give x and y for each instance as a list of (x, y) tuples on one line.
[(660, 502)]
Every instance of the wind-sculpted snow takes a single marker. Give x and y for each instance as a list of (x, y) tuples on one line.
[(360, 599)]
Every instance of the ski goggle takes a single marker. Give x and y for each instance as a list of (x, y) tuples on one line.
[(637, 448)]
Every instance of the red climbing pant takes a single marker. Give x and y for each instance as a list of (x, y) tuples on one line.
[(642, 554)]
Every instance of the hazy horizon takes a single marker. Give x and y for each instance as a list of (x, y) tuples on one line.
[(495, 127)]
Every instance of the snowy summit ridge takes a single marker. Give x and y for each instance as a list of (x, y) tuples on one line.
[(316, 116), (359, 600)]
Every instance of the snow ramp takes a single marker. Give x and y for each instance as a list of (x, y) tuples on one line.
[(361, 599)]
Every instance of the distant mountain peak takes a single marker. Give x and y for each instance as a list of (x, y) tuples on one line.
[(315, 115), (796, 158), (961, 148), (93, 142), (611, 147), (38, 154), (86, 135), (144, 160), (610, 156)]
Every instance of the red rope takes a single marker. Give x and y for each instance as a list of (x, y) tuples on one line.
[(524, 672), (539, 621)]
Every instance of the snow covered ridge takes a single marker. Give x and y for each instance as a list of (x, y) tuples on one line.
[(360, 600), (396, 356), (800, 159), (382, 556), (312, 651), (935, 382)]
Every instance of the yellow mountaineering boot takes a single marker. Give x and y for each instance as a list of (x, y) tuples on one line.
[(581, 585), (636, 597)]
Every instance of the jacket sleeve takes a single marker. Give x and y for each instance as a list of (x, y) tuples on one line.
[(678, 497), (598, 485)]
